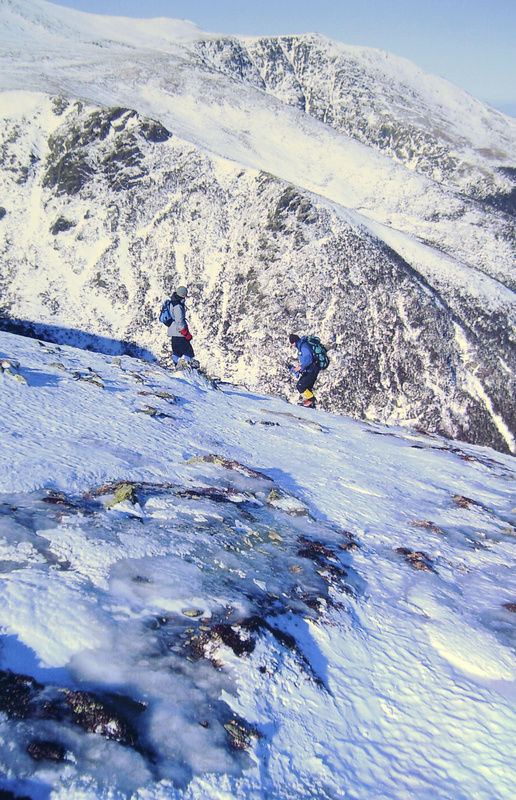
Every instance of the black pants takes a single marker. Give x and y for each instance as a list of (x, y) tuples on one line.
[(181, 347), (308, 378)]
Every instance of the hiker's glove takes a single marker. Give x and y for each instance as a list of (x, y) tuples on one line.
[(186, 333)]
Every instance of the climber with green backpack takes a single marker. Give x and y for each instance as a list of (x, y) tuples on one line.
[(312, 359)]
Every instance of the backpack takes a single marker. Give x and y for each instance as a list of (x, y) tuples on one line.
[(164, 315), (318, 351)]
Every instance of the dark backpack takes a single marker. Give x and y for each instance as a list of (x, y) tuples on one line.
[(319, 353), (164, 315)]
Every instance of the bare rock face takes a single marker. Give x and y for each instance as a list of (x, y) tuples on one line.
[(417, 311)]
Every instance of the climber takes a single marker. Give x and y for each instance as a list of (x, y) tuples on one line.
[(178, 327), (306, 370)]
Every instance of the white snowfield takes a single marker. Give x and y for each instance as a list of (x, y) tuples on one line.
[(342, 594)]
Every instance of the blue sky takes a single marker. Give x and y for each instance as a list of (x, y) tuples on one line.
[(472, 43)]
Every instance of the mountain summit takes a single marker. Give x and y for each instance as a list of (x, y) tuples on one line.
[(293, 183)]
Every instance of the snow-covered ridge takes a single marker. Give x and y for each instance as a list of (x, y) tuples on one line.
[(207, 592), (32, 21)]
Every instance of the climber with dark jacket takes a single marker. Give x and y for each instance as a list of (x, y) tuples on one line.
[(178, 328), (307, 370)]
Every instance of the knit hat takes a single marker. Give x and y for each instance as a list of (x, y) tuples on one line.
[(181, 291), (293, 338)]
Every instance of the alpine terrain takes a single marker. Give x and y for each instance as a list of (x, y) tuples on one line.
[(292, 183), (206, 591), (210, 594)]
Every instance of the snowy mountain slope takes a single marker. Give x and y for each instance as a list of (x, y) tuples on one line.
[(176, 79), (260, 206), (121, 210), (211, 593), (373, 95), (379, 99)]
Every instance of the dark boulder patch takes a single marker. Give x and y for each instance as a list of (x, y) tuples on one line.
[(323, 557), (350, 544), (17, 693), (99, 716), (46, 751), (241, 733), (314, 550), (416, 559), (61, 225), (232, 637), (58, 499), (23, 698)]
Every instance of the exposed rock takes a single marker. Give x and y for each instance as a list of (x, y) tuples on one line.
[(123, 492), (12, 369), (426, 525), (416, 559), (241, 733), (351, 544), (233, 638), (22, 697), (465, 502), (56, 498), (228, 464), (286, 502), (154, 412), (99, 716), (17, 692), (46, 751), (170, 398)]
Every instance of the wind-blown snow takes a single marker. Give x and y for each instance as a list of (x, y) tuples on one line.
[(377, 565)]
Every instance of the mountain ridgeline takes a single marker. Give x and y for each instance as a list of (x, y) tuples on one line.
[(105, 207)]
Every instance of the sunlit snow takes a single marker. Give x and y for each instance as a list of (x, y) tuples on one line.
[(284, 603), (380, 152), (212, 594)]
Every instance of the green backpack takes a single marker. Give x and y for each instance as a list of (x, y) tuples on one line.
[(319, 351)]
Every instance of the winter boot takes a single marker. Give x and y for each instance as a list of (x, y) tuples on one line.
[(307, 399)]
